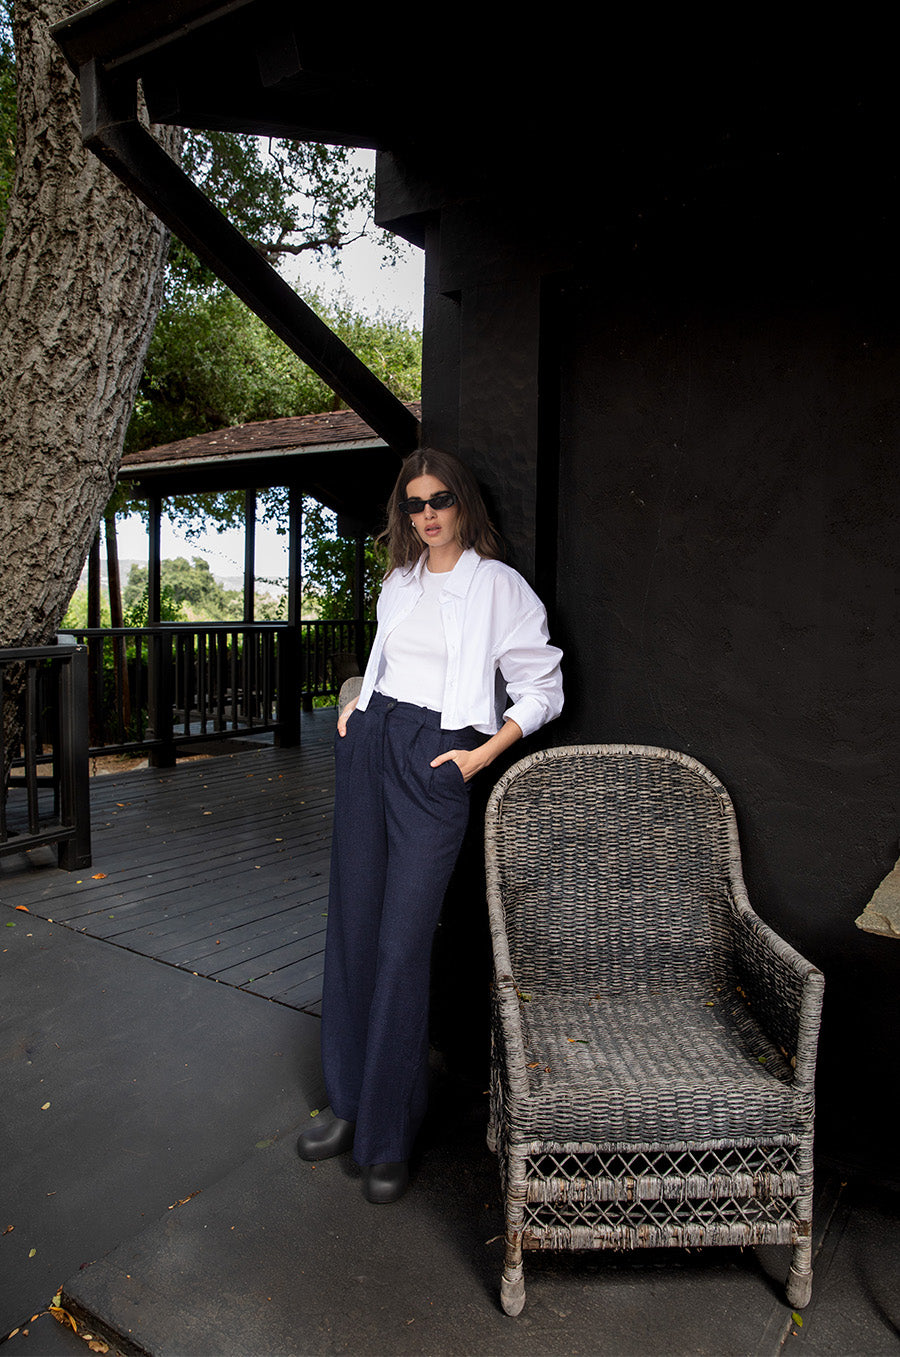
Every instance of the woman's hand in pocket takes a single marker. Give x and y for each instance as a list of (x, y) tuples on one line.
[(471, 761), (342, 719), (466, 760)]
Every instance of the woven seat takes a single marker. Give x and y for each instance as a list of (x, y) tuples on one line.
[(653, 1040)]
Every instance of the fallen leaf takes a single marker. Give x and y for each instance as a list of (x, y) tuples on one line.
[(10, 924), (23, 908), (44, 1107), (798, 1319), (62, 1316), (96, 1346), (183, 1200), (9, 1229), (99, 876), (32, 1252)]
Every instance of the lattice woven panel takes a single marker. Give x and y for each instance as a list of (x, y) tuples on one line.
[(659, 1198)]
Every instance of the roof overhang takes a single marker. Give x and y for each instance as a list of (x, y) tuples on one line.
[(334, 457), (228, 66)]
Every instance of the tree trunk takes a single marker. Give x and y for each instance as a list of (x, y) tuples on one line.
[(81, 275)]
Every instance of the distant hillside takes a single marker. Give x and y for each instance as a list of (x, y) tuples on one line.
[(226, 581)]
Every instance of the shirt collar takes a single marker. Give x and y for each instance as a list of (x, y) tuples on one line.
[(457, 580)]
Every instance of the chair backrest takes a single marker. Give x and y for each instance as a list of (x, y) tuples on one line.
[(609, 868)]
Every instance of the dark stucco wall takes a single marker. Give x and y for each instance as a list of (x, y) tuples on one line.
[(728, 586), (687, 419)]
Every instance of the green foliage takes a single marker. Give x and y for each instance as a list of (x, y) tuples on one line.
[(76, 613), (286, 197), (189, 592), (212, 363), (189, 588), (328, 565), (7, 109)]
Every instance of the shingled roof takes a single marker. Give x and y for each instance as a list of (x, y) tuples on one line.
[(333, 431), (335, 456)]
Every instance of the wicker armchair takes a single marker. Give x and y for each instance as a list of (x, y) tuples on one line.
[(654, 1041)]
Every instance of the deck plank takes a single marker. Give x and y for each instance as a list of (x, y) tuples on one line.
[(219, 867)]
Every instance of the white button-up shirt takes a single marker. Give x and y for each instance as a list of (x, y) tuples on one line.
[(498, 645)]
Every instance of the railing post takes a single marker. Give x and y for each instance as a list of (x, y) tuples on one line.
[(305, 643), (161, 692), (74, 780), (287, 732)]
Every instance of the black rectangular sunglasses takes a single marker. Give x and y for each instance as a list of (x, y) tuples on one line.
[(444, 499)]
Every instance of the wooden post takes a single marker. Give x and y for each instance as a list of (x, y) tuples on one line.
[(160, 665), (95, 649), (74, 781), (295, 543), (249, 554), (289, 669), (116, 619), (154, 564), (359, 598)]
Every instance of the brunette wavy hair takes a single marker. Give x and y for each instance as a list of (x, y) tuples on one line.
[(473, 526)]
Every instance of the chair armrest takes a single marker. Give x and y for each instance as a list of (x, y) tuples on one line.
[(508, 1030), (782, 988), (350, 689)]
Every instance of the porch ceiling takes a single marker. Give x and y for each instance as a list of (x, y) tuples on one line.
[(264, 67)]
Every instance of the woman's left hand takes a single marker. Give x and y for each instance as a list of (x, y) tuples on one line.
[(471, 761), (466, 760)]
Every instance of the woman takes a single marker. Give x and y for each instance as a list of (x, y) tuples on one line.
[(454, 625)]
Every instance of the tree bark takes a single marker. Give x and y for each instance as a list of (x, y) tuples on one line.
[(81, 274)]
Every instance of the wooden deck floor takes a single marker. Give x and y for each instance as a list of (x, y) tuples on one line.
[(219, 867)]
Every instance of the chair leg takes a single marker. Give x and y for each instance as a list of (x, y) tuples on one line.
[(515, 1187), (799, 1282), (512, 1288)]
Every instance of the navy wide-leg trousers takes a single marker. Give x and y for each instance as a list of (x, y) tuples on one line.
[(398, 828)]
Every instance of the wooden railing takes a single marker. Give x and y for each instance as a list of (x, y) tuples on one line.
[(329, 653), (157, 688), (44, 753)]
